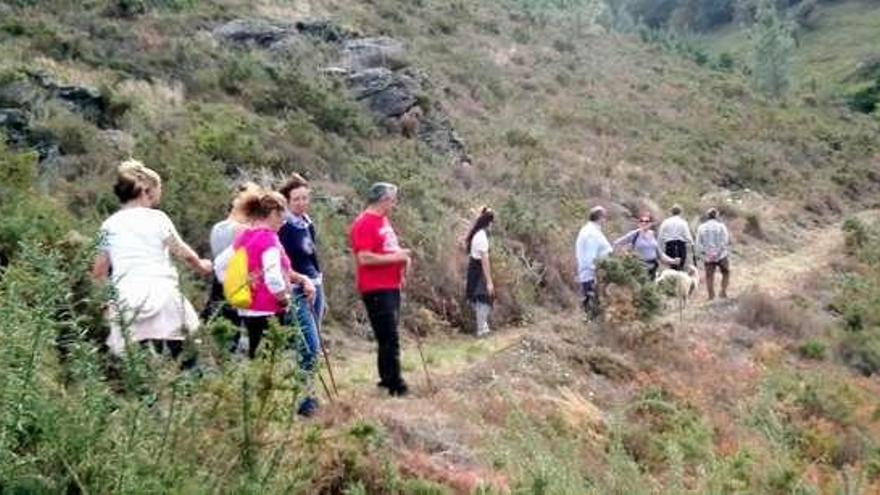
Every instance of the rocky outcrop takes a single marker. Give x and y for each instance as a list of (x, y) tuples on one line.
[(257, 32), (375, 69), (371, 53)]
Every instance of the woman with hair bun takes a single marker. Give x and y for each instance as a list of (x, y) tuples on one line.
[(480, 289), (136, 246)]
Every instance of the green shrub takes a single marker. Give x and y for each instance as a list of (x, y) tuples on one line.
[(813, 350), (629, 272), (861, 351)]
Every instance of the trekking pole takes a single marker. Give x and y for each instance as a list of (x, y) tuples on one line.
[(324, 385), (424, 361), (327, 360)]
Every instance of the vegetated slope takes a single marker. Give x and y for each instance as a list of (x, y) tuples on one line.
[(556, 116), (836, 51)]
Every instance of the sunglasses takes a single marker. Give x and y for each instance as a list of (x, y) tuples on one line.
[(644, 221)]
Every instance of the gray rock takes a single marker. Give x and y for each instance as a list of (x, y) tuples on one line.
[(385, 93), (259, 32), (369, 53), (20, 93), (14, 123)]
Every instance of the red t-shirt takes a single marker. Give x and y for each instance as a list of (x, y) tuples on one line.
[(374, 233)]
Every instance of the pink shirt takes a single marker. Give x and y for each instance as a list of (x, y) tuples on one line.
[(256, 242)]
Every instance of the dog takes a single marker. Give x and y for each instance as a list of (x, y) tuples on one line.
[(685, 285)]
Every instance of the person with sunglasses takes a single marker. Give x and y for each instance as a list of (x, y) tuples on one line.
[(643, 243)]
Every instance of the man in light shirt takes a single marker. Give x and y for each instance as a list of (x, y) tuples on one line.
[(590, 247), (675, 237), (713, 247)]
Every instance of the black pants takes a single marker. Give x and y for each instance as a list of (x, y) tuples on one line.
[(175, 348), (590, 299), (677, 249), (256, 326), (383, 309)]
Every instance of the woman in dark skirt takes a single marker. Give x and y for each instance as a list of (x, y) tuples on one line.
[(480, 290)]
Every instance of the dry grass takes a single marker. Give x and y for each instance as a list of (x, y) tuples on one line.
[(758, 309)]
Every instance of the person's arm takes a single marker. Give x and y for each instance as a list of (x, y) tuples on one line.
[(273, 275), (183, 252), (624, 240), (101, 267), (698, 246), (369, 258), (687, 231), (487, 272)]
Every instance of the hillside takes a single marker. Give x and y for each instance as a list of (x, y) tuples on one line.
[(528, 106), (836, 51)]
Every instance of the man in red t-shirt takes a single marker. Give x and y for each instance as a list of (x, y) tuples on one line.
[(381, 272)]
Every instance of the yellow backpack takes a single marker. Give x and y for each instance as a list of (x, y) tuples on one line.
[(236, 281)]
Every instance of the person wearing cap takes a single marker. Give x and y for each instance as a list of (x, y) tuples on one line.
[(591, 246), (382, 267), (675, 237), (713, 247)]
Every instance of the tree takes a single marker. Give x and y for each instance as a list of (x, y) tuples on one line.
[(772, 50)]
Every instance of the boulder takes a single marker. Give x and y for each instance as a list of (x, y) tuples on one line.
[(14, 123), (385, 93), (371, 53), (258, 32), (19, 93)]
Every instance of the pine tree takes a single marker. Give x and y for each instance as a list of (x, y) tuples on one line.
[(772, 50)]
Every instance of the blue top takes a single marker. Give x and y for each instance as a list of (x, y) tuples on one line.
[(300, 243)]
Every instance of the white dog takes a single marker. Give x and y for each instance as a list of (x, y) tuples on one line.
[(685, 284)]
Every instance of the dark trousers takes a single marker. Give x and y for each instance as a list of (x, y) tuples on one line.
[(383, 309), (590, 299), (677, 249), (256, 327)]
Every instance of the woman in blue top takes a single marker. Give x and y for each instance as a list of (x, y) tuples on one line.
[(644, 244), (300, 243)]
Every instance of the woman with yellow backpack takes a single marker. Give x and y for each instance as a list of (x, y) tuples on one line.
[(257, 274)]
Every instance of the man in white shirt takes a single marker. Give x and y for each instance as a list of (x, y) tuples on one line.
[(713, 247), (591, 245), (675, 237)]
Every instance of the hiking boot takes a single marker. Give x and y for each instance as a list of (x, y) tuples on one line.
[(399, 391), (307, 407)]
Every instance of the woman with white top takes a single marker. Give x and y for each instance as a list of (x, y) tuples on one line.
[(480, 290), (136, 246)]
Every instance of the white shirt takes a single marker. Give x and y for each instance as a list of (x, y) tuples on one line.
[(675, 228), (591, 245), (479, 244), (135, 239)]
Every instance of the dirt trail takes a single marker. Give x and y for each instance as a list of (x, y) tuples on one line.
[(446, 428)]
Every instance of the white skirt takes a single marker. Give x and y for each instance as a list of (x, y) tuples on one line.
[(149, 308)]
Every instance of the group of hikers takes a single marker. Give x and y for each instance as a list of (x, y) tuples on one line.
[(264, 265), (670, 246)]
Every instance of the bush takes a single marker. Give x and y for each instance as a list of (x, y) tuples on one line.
[(629, 274), (812, 350), (861, 351), (759, 309)]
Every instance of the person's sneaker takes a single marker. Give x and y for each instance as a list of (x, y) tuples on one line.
[(482, 333), (399, 391), (381, 384), (307, 407)]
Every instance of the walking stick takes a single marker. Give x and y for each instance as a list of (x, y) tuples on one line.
[(327, 360), (424, 362), (324, 384)]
